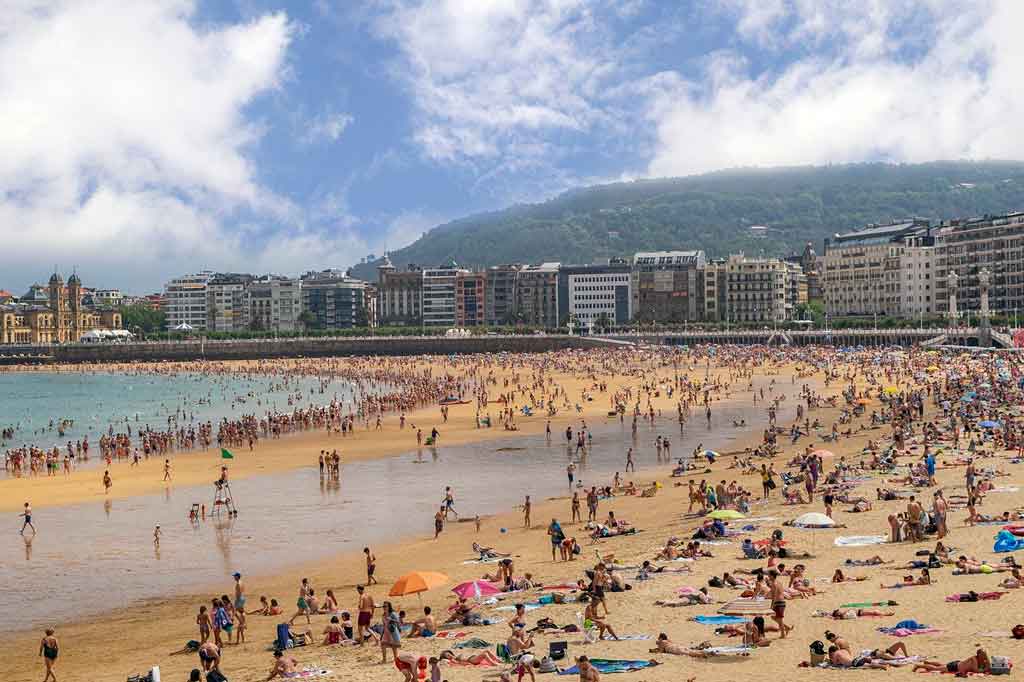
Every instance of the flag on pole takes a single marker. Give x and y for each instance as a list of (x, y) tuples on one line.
[(226, 454)]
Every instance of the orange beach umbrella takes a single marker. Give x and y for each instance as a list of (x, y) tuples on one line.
[(416, 582)]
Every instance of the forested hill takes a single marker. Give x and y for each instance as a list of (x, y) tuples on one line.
[(715, 212)]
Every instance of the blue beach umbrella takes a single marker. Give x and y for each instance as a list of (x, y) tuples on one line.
[(989, 424)]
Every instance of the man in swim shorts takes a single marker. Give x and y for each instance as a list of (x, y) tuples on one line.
[(365, 608)]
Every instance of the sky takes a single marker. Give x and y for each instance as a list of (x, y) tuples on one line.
[(147, 139)]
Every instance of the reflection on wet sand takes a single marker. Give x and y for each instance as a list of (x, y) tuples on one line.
[(88, 552)]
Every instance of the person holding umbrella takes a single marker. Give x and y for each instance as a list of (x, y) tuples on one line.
[(557, 536)]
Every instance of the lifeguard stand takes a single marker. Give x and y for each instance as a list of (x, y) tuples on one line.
[(222, 498)]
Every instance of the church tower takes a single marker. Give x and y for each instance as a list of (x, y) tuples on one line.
[(58, 306), (74, 307)]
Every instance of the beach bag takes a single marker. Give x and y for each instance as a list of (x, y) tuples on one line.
[(556, 652), (1000, 665), (215, 676), (771, 484), (1017, 631), (547, 665)]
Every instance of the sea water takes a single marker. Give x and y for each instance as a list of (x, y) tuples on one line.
[(92, 557), (93, 403)]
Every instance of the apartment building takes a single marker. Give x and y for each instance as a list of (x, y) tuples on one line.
[(470, 307), (536, 295), (591, 294), (668, 286), (863, 269), (184, 301), (992, 242), (756, 289), (439, 294), (500, 295), (333, 300), (227, 303), (275, 304), (399, 294)]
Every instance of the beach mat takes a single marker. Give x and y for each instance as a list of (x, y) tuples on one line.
[(719, 620), (747, 607), (859, 540), (609, 666)]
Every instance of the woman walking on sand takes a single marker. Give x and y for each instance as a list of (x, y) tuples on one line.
[(48, 649)]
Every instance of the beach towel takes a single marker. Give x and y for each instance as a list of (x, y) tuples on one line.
[(726, 650), (609, 666), (906, 628), (629, 638), (868, 604), (859, 540), (450, 634), (719, 620), (747, 607), (474, 643), (532, 606)]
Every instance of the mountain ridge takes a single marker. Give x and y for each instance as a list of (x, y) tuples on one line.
[(714, 212)]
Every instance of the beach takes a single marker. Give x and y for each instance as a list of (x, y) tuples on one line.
[(131, 637)]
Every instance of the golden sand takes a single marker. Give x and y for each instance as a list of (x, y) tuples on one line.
[(134, 637)]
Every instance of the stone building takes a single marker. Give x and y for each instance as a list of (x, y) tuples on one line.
[(61, 318)]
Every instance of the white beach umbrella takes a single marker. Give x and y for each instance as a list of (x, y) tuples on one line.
[(813, 521)]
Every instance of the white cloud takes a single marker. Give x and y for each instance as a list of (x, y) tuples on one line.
[(880, 87), (123, 132), (327, 127), (487, 74)]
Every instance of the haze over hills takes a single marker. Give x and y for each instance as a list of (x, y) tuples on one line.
[(715, 212)]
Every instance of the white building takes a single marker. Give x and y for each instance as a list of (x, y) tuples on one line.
[(227, 303), (597, 292), (108, 297), (439, 287), (756, 289), (275, 304), (185, 301), (917, 268)]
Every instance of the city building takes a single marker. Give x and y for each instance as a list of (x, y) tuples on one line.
[(714, 288), (108, 297), (595, 295), (668, 286), (812, 267), (333, 300), (470, 307), (61, 318), (917, 274), (796, 289), (184, 301), (7, 297), (439, 295), (500, 307), (756, 289), (992, 242), (863, 268), (227, 303), (275, 304), (536, 295), (399, 295)]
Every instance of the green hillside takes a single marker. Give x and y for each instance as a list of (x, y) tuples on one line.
[(714, 212)]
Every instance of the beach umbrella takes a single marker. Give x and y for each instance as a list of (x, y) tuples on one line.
[(726, 515), (863, 401), (813, 520), (989, 424), (476, 589), (823, 453), (747, 607), (890, 390), (416, 582), (933, 368)]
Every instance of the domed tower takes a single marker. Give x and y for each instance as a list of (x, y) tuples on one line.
[(385, 268)]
